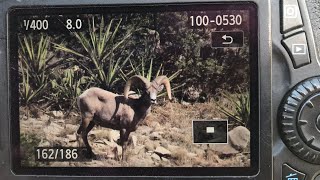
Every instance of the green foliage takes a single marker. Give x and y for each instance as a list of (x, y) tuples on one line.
[(27, 144), (36, 65), (240, 108), (69, 87), (115, 47), (98, 47)]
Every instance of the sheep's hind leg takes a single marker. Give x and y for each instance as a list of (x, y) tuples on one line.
[(87, 125), (124, 136)]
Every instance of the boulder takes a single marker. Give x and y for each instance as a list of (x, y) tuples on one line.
[(71, 128), (58, 114), (99, 141), (224, 149), (44, 144), (111, 144), (155, 125), (239, 137), (173, 147), (139, 149), (192, 155), (164, 159), (113, 135), (72, 137), (154, 156), (144, 130), (162, 151), (119, 150), (149, 145), (133, 140), (155, 136), (149, 153)]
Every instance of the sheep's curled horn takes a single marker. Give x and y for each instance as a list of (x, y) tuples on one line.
[(158, 81), (137, 79)]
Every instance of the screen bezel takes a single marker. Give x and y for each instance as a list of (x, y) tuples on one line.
[(135, 171)]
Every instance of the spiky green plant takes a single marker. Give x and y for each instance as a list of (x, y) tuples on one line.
[(98, 48), (35, 66), (69, 87), (241, 105)]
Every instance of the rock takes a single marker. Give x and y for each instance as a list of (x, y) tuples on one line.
[(99, 141), (71, 128), (199, 152), (144, 130), (224, 149), (185, 103), (44, 144), (111, 156), (53, 129), (45, 117), (162, 151), (173, 147), (239, 137), (175, 129), (164, 144), (149, 153), (111, 144), (155, 136), (164, 159), (139, 149), (113, 135), (155, 125), (72, 137), (119, 150), (192, 155), (133, 140), (149, 146), (58, 114), (154, 156), (142, 162)]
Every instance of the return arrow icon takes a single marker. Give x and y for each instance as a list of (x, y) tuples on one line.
[(228, 39)]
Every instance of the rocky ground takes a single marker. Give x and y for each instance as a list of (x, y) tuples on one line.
[(164, 139)]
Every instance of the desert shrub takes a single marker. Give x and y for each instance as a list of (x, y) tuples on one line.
[(239, 111), (67, 87), (99, 52), (36, 65)]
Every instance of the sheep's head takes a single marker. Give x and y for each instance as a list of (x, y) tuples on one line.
[(150, 89)]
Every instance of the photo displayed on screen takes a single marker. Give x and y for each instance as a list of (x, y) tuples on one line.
[(135, 88)]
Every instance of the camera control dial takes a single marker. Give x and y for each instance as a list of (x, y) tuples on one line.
[(299, 120)]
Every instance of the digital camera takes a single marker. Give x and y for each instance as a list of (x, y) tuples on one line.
[(216, 89)]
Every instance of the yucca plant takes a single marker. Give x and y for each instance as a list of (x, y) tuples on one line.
[(69, 87), (35, 66), (241, 104), (98, 48)]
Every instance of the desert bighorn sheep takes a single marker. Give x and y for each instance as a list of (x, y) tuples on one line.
[(118, 112)]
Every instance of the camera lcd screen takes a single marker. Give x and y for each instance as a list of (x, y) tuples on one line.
[(126, 90)]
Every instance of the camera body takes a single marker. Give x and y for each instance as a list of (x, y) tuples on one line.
[(283, 68)]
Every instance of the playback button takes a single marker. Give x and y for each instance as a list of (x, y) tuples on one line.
[(297, 48)]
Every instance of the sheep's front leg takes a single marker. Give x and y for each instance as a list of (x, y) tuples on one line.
[(86, 126), (124, 136)]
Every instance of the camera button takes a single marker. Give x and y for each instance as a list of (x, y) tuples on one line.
[(289, 173), (291, 16), (297, 48)]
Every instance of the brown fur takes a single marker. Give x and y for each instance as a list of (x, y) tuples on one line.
[(104, 108)]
